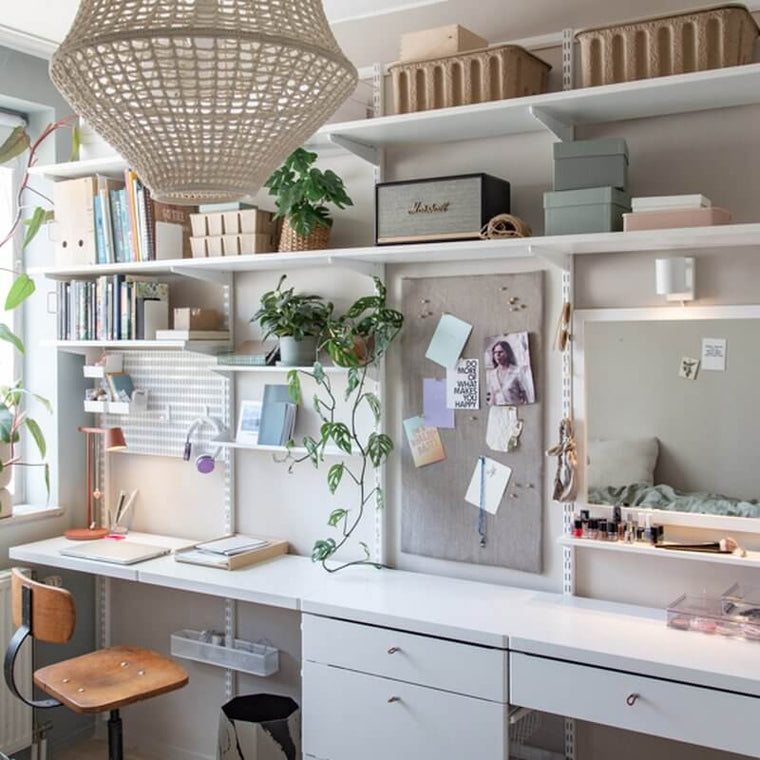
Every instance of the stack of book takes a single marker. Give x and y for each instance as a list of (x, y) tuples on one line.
[(252, 353), (278, 416), (114, 307), (673, 211), (102, 220)]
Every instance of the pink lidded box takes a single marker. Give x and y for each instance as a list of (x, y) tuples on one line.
[(675, 217)]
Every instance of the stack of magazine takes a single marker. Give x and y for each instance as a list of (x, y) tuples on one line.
[(252, 353), (278, 416)]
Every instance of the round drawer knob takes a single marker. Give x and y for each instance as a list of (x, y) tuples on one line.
[(391, 700), (393, 650), (631, 699)]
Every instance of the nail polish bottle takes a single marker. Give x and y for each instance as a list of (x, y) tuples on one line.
[(612, 531), (578, 529), (602, 533), (648, 529), (593, 529)]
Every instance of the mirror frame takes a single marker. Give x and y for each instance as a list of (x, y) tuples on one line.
[(581, 318)]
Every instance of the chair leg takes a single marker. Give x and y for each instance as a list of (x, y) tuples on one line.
[(115, 740)]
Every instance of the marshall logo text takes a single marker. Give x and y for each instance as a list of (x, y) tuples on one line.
[(418, 207)]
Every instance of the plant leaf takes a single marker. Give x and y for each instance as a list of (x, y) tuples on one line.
[(17, 142), (312, 448), (366, 549), (48, 406), (22, 288), (33, 224), (379, 498), (353, 381), (319, 372), (323, 549), (47, 480), (336, 516), (340, 433), (374, 404), (379, 446), (6, 423), (10, 337), (294, 386), (37, 434), (76, 143), (334, 476)]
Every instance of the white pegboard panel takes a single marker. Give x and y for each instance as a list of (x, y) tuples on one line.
[(181, 386)]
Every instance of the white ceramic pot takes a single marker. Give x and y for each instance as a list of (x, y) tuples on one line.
[(298, 353), (5, 455), (6, 503)]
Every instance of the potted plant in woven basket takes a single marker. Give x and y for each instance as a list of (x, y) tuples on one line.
[(301, 192), (296, 319)]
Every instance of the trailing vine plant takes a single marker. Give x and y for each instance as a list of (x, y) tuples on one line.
[(357, 340)]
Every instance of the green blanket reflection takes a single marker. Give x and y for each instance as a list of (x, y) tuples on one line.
[(671, 499)]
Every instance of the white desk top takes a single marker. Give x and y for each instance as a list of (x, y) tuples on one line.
[(620, 637)]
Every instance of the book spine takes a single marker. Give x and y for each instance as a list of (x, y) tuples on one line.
[(150, 224), (131, 182), (130, 244), (100, 241), (142, 222), (116, 227)]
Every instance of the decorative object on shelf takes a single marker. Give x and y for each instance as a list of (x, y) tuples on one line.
[(205, 462), (438, 208), (301, 192), (662, 45), (376, 326), (117, 518), (675, 218), (441, 41), (112, 440), (243, 231), (504, 226), (580, 164), (492, 73), (196, 318), (595, 209), (249, 422), (675, 278), (565, 479), (137, 70), (296, 319), (564, 327)]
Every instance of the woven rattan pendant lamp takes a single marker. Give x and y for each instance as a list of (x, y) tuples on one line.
[(204, 98)]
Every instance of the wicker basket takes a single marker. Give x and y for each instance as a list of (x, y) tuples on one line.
[(494, 73), (291, 241), (657, 47)]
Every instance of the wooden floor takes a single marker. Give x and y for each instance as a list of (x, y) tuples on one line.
[(93, 749)]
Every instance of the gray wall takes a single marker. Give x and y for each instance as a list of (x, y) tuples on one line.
[(707, 428)]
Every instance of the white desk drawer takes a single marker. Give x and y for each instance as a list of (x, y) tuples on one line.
[(350, 715), (692, 714), (461, 668)]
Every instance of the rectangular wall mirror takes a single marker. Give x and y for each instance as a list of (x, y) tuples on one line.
[(659, 431)]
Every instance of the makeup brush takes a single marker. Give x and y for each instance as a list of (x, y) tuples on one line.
[(724, 546)]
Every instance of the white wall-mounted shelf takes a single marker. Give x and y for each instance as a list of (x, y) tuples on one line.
[(550, 247), (555, 112), (239, 369), (196, 346), (298, 451), (641, 549)]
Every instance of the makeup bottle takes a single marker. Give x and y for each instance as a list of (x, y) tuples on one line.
[(584, 523), (648, 530), (593, 528), (630, 529), (578, 529), (602, 533), (612, 530)]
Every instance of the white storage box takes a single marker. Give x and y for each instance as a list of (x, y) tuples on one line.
[(243, 656)]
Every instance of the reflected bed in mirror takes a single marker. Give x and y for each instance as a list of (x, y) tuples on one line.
[(662, 429)]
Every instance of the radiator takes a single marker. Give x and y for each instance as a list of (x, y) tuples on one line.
[(15, 716)]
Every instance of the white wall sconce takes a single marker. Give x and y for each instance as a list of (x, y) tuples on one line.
[(675, 278)]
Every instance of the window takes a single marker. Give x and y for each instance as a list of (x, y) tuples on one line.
[(10, 361)]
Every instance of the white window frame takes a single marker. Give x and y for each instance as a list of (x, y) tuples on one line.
[(15, 320)]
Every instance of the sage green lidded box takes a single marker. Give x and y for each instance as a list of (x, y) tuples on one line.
[(591, 163), (595, 209)]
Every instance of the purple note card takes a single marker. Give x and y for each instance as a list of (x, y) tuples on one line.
[(434, 409)]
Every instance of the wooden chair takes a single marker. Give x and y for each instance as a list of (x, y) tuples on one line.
[(101, 681)]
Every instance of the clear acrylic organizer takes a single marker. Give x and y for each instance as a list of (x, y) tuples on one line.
[(717, 616), (243, 656)]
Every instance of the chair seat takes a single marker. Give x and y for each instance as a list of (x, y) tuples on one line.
[(110, 678)]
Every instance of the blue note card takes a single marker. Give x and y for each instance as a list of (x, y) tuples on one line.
[(434, 409), (448, 341)]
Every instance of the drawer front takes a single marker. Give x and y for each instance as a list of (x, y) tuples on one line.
[(677, 711), (347, 716), (461, 668)]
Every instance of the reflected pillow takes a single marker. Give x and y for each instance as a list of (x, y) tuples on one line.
[(622, 462)]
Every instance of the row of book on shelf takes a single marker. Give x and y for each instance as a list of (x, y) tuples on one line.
[(269, 422), (104, 220), (112, 307)]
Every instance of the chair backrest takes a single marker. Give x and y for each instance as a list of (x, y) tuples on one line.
[(53, 613)]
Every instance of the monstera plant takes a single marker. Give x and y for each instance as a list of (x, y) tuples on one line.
[(357, 340)]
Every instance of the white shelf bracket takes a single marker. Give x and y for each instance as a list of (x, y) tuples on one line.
[(561, 130), (368, 269), (369, 153), (551, 256), (205, 275)]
